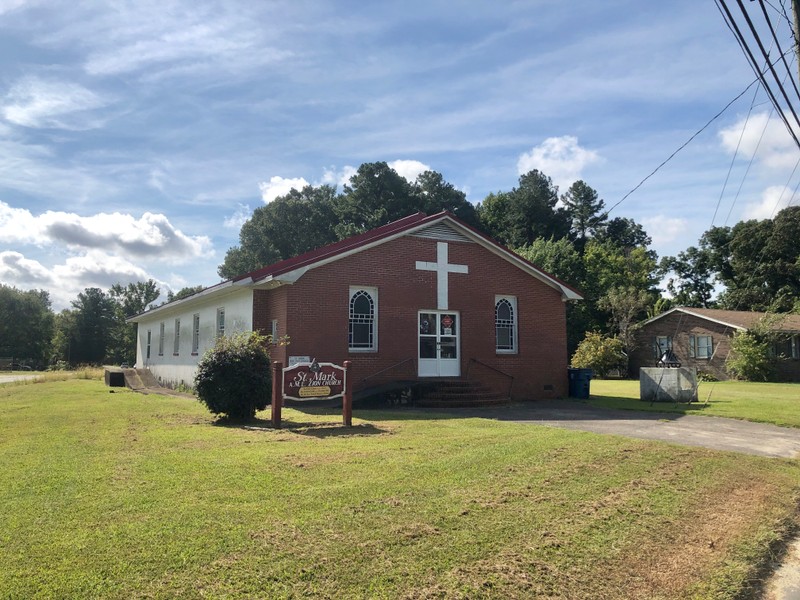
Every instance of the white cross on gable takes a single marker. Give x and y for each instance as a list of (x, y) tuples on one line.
[(442, 269)]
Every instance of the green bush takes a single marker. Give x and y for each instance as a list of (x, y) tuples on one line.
[(234, 377), (599, 353), (750, 358)]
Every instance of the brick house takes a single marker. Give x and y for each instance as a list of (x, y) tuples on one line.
[(420, 299), (701, 338)]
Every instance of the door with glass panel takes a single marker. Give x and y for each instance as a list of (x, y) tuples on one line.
[(439, 333)]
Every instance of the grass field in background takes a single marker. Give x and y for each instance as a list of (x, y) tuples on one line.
[(108, 493), (777, 403)]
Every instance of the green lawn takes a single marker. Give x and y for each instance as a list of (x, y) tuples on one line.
[(121, 495), (777, 403)]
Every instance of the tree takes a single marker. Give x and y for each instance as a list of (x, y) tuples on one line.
[(375, 195), (628, 306), (184, 292), (560, 258), (26, 324), (599, 353), (234, 377), (65, 337), (527, 212), (434, 195), (758, 262), (691, 282), (95, 316), (289, 225), (130, 300), (585, 212), (625, 233)]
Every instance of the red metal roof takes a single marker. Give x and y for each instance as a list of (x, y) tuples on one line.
[(374, 235), (339, 247)]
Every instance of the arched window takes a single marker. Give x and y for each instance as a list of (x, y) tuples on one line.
[(505, 324), (362, 335)]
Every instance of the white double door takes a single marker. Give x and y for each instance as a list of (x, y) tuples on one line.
[(439, 335)]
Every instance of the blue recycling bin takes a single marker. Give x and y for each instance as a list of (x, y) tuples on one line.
[(579, 383)]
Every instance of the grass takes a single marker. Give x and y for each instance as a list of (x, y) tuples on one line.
[(50, 376), (776, 403), (108, 493)]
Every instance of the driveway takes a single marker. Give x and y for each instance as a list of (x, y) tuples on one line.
[(716, 433)]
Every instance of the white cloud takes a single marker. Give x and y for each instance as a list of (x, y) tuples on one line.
[(66, 280), (338, 178), (150, 236), (237, 219), (409, 169), (39, 103), (663, 229), (279, 186), (16, 269), (560, 158), (763, 137), (773, 199)]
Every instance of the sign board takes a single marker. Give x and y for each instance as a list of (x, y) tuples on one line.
[(293, 360), (313, 380)]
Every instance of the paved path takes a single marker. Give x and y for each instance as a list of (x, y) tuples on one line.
[(709, 432), (12, 378)]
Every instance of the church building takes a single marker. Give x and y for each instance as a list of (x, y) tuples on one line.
[(421, 299)]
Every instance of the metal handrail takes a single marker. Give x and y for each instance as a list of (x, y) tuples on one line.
[(480, 362), (413, 360)]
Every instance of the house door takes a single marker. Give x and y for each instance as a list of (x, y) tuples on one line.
[(439, 333)]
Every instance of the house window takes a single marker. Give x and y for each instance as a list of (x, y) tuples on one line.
[(176, 347), (161, 339), (362, 334), (794, 343), (149, 337), (505, 324), (662, 344), (195, 333), (220, 322), (700, 346)]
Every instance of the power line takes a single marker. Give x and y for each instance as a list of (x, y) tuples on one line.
[(682, 146)]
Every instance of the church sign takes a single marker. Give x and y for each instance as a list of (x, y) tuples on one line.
[(313, 381)]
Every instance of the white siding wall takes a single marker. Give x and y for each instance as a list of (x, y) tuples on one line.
[(173, 370)]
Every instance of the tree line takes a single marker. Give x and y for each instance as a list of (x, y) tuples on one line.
[(569, 235)]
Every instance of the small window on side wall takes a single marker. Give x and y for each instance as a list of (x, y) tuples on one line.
[(701, 346), (362, 332), (220, 322), (195, 333), (505, 324)]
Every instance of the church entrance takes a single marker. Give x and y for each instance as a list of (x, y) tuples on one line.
[(439, 344)]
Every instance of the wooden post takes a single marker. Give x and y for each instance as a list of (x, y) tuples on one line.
[(347, 397), (277, 393)]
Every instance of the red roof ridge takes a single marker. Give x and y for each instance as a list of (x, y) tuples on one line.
[(335, 248)]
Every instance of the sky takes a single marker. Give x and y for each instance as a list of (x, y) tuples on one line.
[(136, 137)]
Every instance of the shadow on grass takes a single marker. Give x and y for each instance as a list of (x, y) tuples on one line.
[(633, 404), (309, 428)]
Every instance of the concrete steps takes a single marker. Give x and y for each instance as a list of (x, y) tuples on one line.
[(459, 393)]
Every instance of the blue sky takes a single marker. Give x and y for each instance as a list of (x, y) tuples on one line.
[(135, 137)]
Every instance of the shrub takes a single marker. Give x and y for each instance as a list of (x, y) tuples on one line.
[(750, 358), (599, 353), (234, 377)]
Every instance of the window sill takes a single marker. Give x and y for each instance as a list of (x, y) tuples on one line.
[(362, 350), (505, 352)]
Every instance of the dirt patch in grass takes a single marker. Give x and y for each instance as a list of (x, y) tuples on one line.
[(676, 557)]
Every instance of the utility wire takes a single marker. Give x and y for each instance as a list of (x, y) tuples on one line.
[(682, 146)]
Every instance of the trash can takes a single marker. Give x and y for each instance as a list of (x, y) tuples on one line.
[(579, 383)]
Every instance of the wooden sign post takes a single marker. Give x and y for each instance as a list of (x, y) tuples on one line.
[(311, 381), (277, 394)]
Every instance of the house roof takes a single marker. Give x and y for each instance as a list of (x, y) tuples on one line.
[(736, 319), (291, 269)]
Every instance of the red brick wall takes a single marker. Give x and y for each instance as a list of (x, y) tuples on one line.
[(269, 305), (317, 320)]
